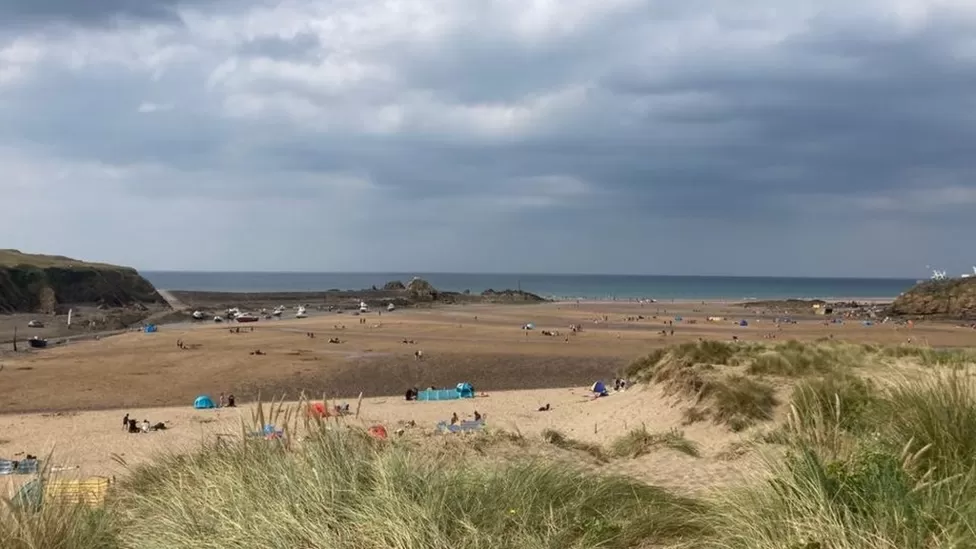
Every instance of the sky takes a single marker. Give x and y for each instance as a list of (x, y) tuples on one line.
[(813, 137)]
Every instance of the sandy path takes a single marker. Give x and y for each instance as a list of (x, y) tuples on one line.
[(173, 302)]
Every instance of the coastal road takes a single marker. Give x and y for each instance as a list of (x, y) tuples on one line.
[(174, 303)]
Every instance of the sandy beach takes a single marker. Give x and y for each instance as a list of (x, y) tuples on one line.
[(70, 399)]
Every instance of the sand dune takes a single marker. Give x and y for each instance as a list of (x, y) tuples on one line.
[(70, 399)]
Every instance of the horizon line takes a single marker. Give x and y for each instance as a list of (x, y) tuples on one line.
[(416, 273)]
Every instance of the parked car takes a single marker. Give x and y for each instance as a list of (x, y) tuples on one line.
[(35, 324)]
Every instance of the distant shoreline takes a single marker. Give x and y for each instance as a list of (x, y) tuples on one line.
[(729, 301), (555, 287), (299, 295)]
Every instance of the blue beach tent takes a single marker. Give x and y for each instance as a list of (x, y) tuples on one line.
[(203, 402), (465, 390), (150, 328), (599, 388)]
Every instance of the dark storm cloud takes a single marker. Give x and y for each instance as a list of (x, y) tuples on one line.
[(645, 119), (15, 13)]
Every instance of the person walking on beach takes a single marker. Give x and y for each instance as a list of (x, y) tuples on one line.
[(223, 401), (125, 423)]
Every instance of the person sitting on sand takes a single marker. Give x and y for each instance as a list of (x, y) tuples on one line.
[(544, 408), (230, 401), (222, 401), (477, 416), (133, 428), (454, 418), (145, 426), (159, 426)]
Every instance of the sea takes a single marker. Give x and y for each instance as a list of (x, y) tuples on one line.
[(555, 286)]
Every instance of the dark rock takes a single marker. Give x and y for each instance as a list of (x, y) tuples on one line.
[(507, 296), (421, 290), (394, 286)]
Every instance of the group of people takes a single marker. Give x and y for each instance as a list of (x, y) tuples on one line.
[(133, 426), (228, 402), (455, 419)]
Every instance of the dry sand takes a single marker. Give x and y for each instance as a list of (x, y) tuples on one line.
[(71, 399), (93, 442)]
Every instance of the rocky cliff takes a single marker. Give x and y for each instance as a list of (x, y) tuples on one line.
[(938, 298), (42, 283)]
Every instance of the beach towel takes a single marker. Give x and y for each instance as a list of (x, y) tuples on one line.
[(318, 409), (89, 491), (464, 426), (21, 467), (268, 432), (377, 432)]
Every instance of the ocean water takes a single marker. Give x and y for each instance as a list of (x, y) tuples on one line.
[(554, 286)]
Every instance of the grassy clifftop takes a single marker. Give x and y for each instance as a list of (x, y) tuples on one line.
[(939, 298), (39, 283)]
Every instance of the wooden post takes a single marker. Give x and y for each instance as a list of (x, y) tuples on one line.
[(15, 339), (359, 403)]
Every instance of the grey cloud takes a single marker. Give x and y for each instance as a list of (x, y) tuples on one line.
[(85, 12), (304, 46), (731, 151)]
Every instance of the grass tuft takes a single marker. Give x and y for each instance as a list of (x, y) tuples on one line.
[(345, 491), (560, 440), (57, 526), (739, 402), (640, 441)]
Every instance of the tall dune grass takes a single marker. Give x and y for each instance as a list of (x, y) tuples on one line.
[(789, 359), (341, 489), (907, 482), (640, 441)]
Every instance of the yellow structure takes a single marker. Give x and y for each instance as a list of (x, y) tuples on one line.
[(90, 491)]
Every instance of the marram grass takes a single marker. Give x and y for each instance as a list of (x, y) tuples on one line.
[(856, 467)]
